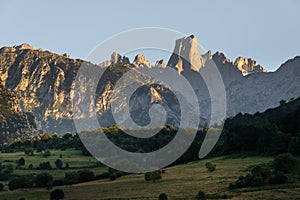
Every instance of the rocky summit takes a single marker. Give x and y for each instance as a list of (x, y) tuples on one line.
[(44, 83)]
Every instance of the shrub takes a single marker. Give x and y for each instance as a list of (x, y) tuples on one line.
[(112, 176), (45, 165), (285, 163), (58, 163), (163, 196), (21, 161), (1, 187), (201, 195), (85, 175), (44, 180), (57, 194), (47, 153), (278, 178), (71, 177), (210, 167), (30, 166), (153, 176), (18, 183)]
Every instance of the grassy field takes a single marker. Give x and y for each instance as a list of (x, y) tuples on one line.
[(74, 157), (178, 182)]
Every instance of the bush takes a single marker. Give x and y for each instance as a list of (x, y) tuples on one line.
[(19, 183), (44, 180), (163, 196), (210, 167), (1, 187), (45, 165), (285, 163), (47, 153), (58, 163), (153, 176), (85, 175), (57, 194), (112, 176), (71, 178), (278, 178), (201, 195), (21, 161)]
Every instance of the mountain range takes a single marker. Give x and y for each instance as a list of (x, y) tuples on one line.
[(44, 84)]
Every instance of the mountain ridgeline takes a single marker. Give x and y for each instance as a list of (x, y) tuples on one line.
[(45, 83)]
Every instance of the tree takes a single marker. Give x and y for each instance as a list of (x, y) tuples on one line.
[(1, 187), (71, 178), (18, 183), (30, 166), (57, 194), (85, 175), (153, 176), (163, 196), (47, 153), (44, 180), (9, 169), (21, 161), (293, 146), (285, 163), (210, 167), (59, 163), (201, 195)]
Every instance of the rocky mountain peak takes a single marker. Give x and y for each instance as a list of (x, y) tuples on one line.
[(24, 46), (247, 65), (140, 60), (186, 54), (117, 58)]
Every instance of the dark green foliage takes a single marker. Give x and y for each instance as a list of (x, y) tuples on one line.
[(17, 183), (21, 161), (59, 164), (163, 196), (71, 178), (45, 165), (201, 195), (278, 178), (1, 187), (285, 163), (210, 167), (44, 180), (9, 168), (153, 176), (85, 175), (47, 153), (293, 146), (112, 177), (30, 166), (57, 194)]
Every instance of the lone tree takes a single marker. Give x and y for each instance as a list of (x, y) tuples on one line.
[(285, 163), (44, 180), (59, 163), (57, 194), (153, 176), (163, 196), (21, 161)]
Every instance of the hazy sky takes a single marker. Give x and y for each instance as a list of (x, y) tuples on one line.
[(267, 31)]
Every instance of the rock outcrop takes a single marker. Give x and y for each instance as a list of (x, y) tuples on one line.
[(13, 121), (45, 81), (140, 61), (247, 65), (186, 55)]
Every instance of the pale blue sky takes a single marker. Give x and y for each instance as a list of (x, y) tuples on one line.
[(267, 31)]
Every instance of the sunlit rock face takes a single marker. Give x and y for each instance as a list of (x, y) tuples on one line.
[(44, 82), (186, 55), (247, 65), (13, 121), (140, 61)]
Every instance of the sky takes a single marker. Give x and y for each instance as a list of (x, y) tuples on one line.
[(267, 31)]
